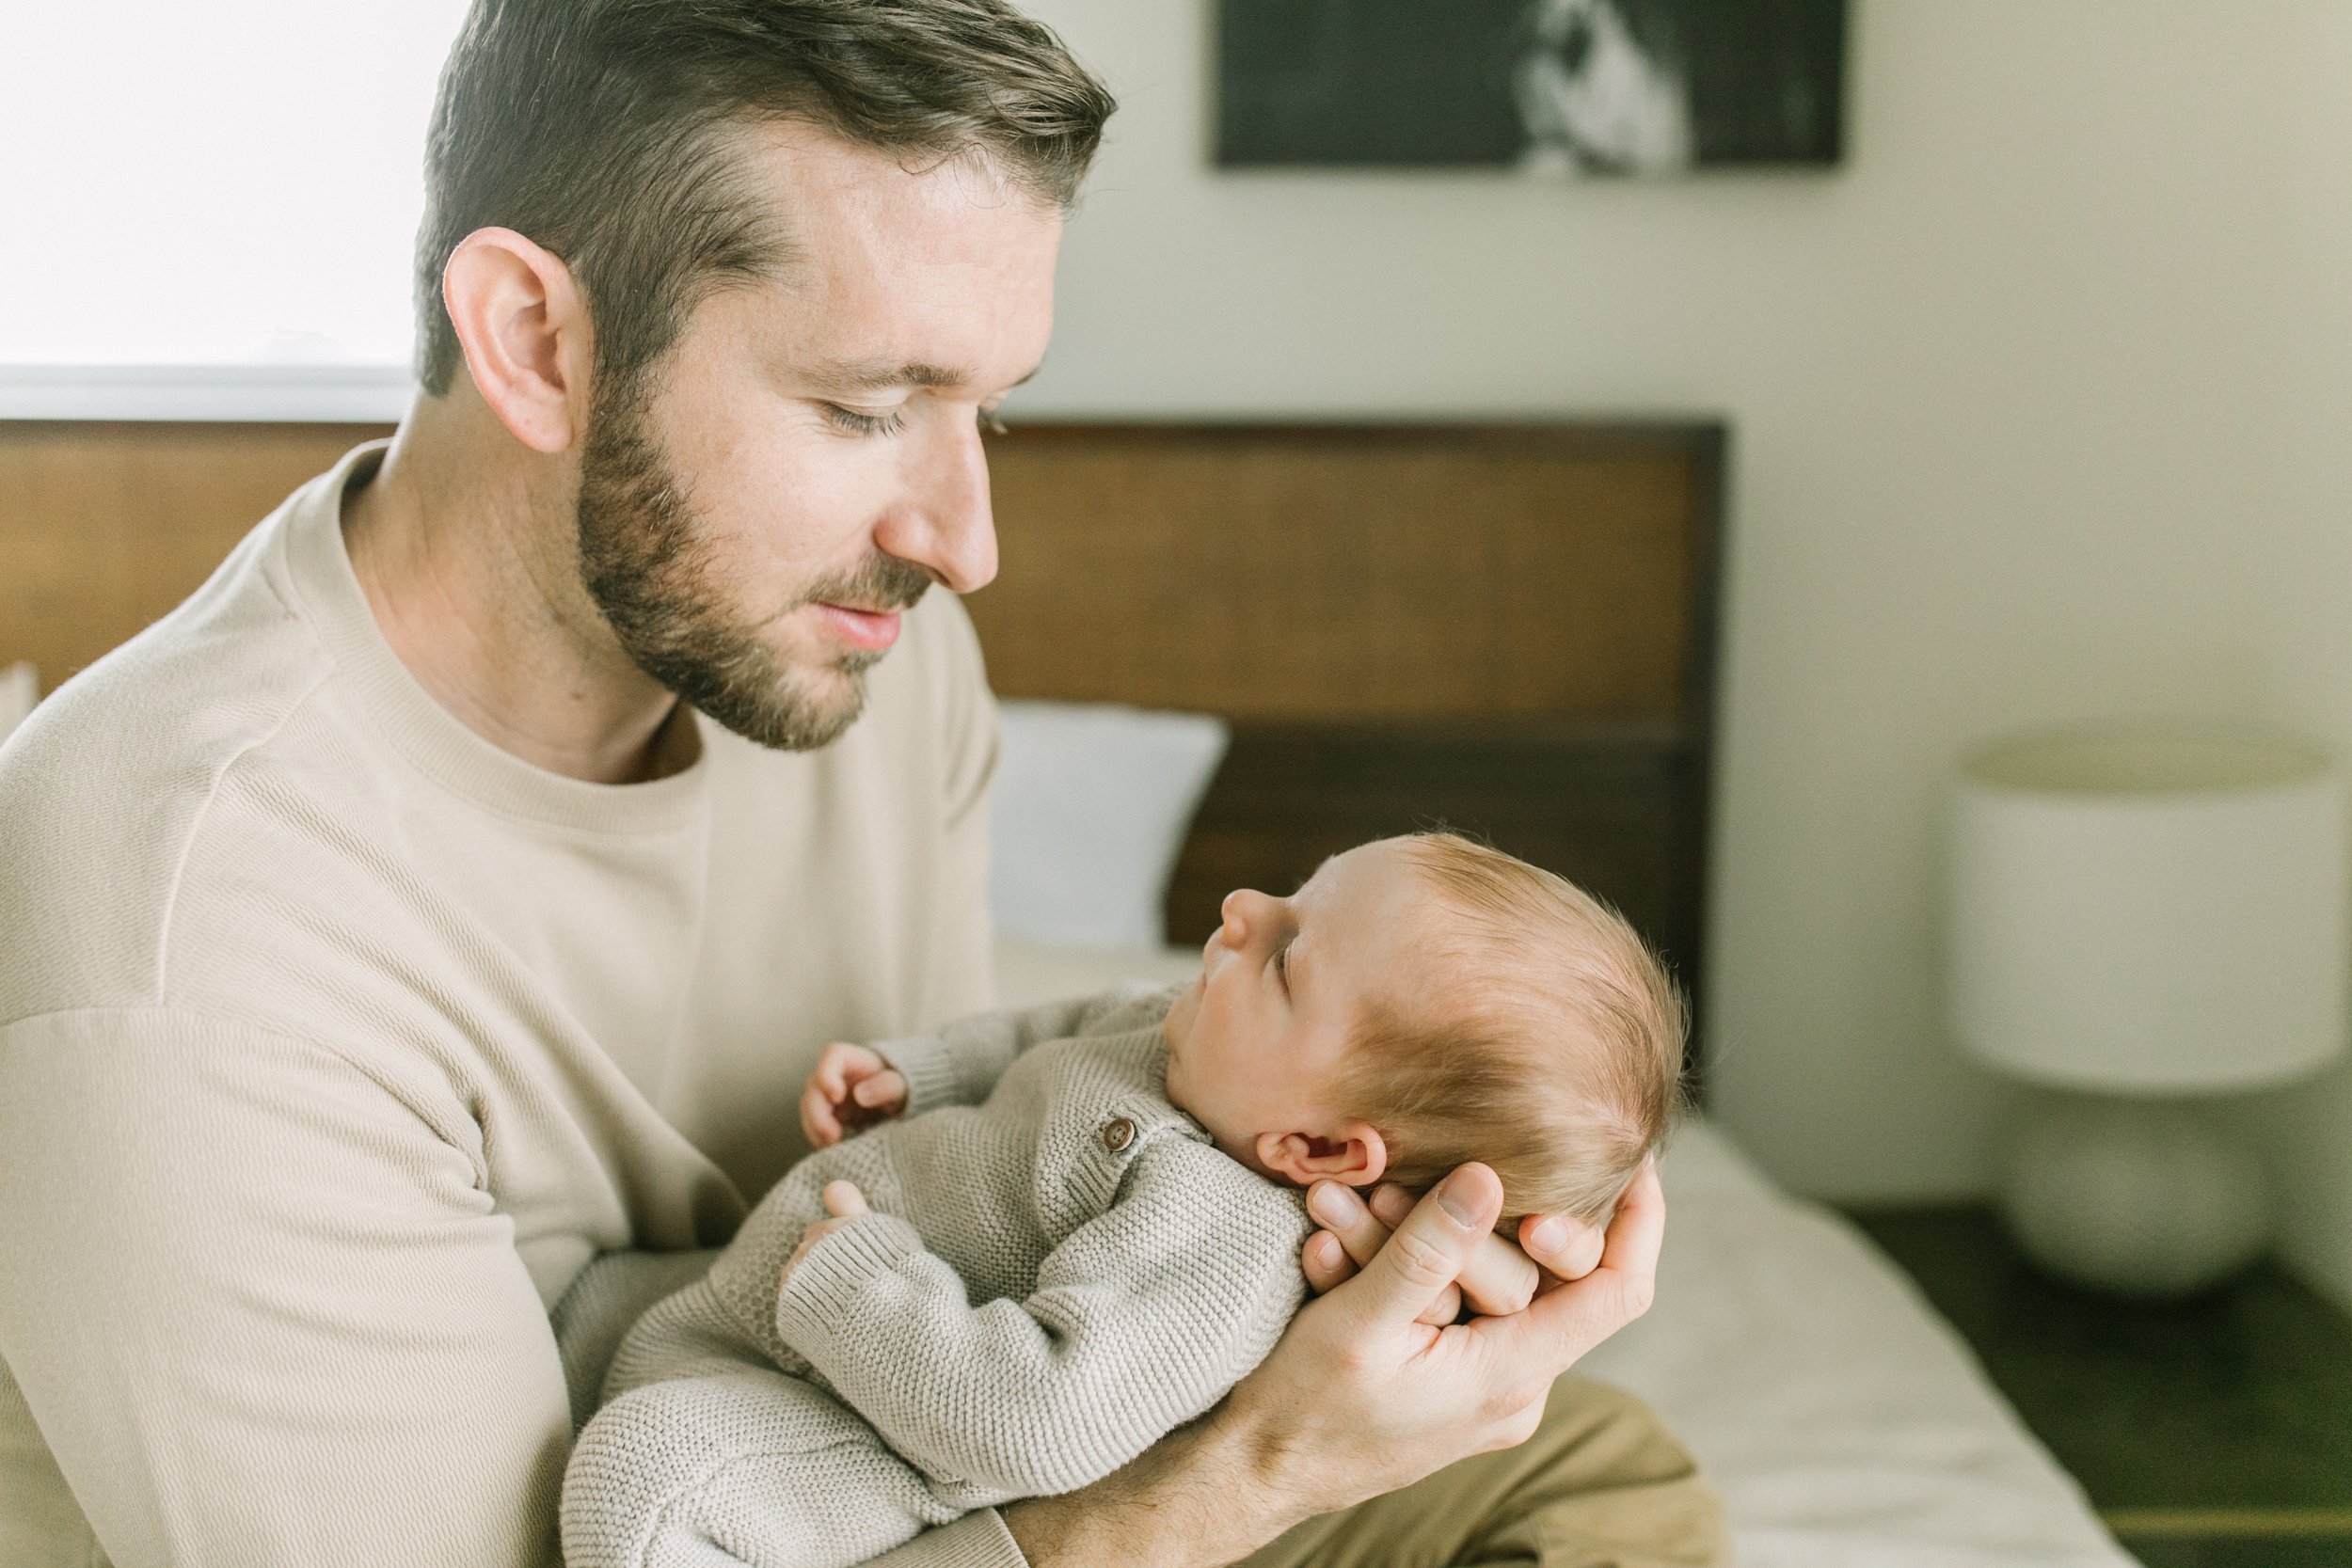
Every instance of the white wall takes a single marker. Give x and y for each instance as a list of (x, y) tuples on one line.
[(2302, 537), (2041, 408)]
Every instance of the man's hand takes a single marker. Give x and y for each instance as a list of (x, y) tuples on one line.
[(1362, 1396), (852, 1089), (1500, 1280), (844, 1202)]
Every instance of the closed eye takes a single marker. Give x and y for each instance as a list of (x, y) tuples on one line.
[(1282, 963), (852, 421)]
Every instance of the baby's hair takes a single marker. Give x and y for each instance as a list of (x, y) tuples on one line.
[(1550, 1045)]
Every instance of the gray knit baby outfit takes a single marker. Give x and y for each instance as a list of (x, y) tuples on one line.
[(1059, 1268)]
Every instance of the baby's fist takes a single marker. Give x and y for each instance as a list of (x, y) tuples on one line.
[(845, 1203), (852, 1089)]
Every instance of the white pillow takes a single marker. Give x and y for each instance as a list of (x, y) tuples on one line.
[(1090, 809), (19, 690)]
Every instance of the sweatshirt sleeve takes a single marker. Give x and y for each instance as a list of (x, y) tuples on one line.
[(978, 1540), (1141, 1320), (259, 1310), (959, 1065)]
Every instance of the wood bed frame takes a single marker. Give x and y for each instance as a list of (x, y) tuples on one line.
[(1509, 629)]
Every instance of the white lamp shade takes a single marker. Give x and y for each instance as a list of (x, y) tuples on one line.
[(2150, 910)]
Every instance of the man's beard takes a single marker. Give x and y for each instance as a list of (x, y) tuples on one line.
[(643, 561)]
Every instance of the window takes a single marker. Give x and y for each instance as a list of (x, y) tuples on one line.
[(208, 209)]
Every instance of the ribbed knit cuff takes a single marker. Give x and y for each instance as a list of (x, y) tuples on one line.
[(930, 1071), (821, 1289), (977, 1539)]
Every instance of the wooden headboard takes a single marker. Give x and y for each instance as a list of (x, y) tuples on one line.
[(1506, 628)]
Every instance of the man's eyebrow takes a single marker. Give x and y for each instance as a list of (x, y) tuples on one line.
[(879, 376)]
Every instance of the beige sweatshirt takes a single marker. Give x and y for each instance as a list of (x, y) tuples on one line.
[(1057, 1268), (334, 1041)]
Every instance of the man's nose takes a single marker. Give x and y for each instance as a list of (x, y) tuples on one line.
[(944, 524)]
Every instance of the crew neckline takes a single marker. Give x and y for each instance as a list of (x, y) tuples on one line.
[(328, 595)]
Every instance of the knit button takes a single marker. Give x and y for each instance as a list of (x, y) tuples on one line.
[(1118, 1134)]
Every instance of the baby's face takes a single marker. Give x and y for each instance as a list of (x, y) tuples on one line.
[(1255, 1047)]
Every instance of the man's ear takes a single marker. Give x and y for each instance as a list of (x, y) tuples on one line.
[(524, 325), (1357, 1157)]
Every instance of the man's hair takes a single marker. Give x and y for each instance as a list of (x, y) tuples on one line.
[(605, 131), (1549, 1044)]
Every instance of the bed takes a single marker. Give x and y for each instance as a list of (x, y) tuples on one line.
[(1507, 628)]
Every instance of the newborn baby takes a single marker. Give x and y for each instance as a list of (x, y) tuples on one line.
[(1072, 1229)]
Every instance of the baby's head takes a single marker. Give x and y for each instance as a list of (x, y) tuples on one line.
[(1427, 1001)]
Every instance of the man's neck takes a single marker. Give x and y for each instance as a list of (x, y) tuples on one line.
[(462, 543)]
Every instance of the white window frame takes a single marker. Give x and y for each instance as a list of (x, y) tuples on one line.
[(305, 394), (90, 95)]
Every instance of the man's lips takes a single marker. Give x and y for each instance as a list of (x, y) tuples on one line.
[(869, 629)]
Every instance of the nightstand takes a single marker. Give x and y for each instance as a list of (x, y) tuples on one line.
[(2212, 1432)]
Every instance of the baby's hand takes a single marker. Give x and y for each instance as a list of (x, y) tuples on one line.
[(844, 1202), (850, 1090)]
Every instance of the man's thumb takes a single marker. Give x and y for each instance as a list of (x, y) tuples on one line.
[(1429, 1251)]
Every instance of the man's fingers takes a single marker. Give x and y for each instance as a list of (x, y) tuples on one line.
[(1578, 1316), (843, 1200), (1637, 1232), (1325, 1262), (1390, 1203), (1445, 1311), (1499, 1278), (1566, 1248), (1496, 1278), (1339, 1211), (1427, 1252)]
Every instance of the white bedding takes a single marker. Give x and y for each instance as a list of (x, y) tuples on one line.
[(1846, 1424)]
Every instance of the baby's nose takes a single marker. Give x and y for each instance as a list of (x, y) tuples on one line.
[(1235, 910), (1245, 911)]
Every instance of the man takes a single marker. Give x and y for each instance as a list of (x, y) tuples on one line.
[(460, 884)]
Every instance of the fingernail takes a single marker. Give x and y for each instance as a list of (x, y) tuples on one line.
[(1449, 1199), (1333, 1205), (1326, 1252), (1549, 1235)]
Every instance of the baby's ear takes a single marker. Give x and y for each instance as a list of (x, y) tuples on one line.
[(1357, 1157)]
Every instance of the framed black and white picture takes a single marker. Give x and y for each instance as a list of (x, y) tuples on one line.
[(1566, 86)]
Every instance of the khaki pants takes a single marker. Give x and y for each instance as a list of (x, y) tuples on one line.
[(1601, 1485)]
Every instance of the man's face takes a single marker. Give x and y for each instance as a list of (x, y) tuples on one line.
[(805, 460)]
